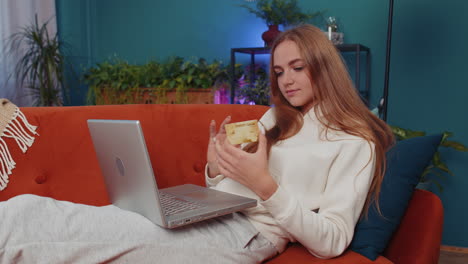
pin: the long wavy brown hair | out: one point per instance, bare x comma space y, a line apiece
337, 103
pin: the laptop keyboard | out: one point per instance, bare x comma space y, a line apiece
172, 204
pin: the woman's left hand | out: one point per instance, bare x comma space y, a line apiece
249, 169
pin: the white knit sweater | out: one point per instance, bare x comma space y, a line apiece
323, 184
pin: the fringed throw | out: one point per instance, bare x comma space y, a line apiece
13, 124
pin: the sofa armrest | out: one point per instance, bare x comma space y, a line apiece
297, 254
419, 235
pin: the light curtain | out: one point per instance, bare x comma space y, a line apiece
15, 15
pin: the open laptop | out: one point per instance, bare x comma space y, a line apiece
131, 184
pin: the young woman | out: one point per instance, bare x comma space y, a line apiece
319, 163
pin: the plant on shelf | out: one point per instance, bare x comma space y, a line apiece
118, 82
222, 87
332, 24
280, 12
40, 67
257, 92
437, 167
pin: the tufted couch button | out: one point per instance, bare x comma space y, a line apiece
41, 179
198, 167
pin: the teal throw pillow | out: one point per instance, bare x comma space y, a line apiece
405, 163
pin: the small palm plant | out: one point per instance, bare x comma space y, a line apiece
437, 167
40, 66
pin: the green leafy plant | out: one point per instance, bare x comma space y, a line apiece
116, 78
40, 67
188, 74
121, 79
280, 12
257, 92
437, 167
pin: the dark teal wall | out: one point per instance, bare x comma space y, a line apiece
142, 30
74, 25
429, 90
427, 85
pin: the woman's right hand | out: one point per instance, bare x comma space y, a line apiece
213, 169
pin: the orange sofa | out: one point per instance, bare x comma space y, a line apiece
62, 164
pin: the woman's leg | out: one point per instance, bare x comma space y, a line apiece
42, 230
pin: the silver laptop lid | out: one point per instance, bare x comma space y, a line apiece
125, 164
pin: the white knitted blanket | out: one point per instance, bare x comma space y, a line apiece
42, 230
13, 124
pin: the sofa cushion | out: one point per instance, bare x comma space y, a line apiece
405, 163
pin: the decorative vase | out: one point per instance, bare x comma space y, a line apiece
336, 37
270, 35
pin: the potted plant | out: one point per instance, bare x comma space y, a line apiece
112, 82
191, 80
40, 67
254, 90
437, 167
278, 12
172, 81
224, 80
